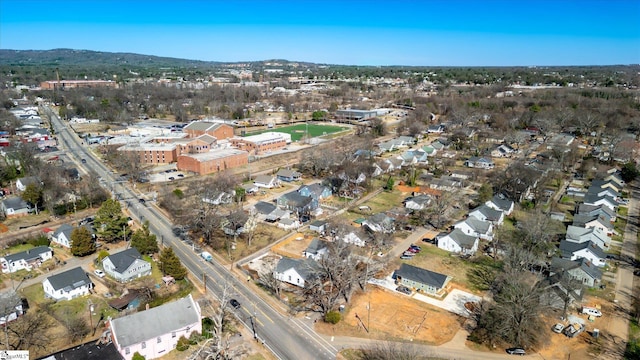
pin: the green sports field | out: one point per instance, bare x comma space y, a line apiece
297, 131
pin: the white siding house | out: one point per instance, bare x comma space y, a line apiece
126, 265
26, 259
67, 285
459, 242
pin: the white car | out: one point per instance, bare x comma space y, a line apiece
557, 328
591, 312
99, 273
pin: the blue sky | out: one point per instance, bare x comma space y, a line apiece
393, 32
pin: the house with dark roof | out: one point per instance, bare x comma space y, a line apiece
458, 242
587, 250
597, 210
380, 222
126, 265
294, 271
288, 175
485, 213
237, 223
62, 235
297, 203
14, 207
316, 249
27, 259
594, 221
155, 332
92, 350
595, 200
423, 280
318, 226
419, 202
476, 227
67, 285
22, 183
582, 270
502, 203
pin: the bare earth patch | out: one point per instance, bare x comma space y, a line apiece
293, 246
394, 316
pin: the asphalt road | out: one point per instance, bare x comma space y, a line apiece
285, 338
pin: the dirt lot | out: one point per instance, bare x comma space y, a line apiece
394, 316
293, 246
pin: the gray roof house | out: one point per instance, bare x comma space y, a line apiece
600, 221
380, 222
579, 234
479, 162
126, 265
297, 203
155, 332
318, 226
588, 250
26, 259
476, 227
605, 200
597, 210
581, 270
288, 175
316, 249
67, 285
295, 271
502, 203
430, 282
22, 183
417, 202
14, 206
316, 191
485, 213
458, 242
62, 235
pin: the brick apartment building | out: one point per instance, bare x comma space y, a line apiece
154, 153
262, 143
218, 130
212, 161
72, 84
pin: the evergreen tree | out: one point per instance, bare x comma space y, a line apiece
111, 224
485, 192
171, 265
82, 243
144, 240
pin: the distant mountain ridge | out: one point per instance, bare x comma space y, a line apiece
92, 58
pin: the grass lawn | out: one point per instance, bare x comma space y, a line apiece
619, 226
155, 270
623, 211
297, 131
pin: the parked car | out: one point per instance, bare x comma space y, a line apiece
99, 273
235, 303
403, 289
413, 246
142, 201
406, 257
591, 311
516, 351
412, 250
430, 241
573, 330
557, 328
84, 161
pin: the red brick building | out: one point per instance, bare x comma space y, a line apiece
218, 130
154, 153
71, 84
212, 161
262, 143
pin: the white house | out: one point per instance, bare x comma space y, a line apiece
417, 202
353, 238
155, 332
26, 259
14, 207
459, 242
595, 200
485, 213
289, 224
316, 249
500, 202
294, 271
67, 285
578, 234
266, 181
479, 162
126, 265
62, 235
22, 183
11, 308
476, 227
586, 250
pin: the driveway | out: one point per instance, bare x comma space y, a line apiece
453, 302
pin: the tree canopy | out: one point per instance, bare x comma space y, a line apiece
143, 240
171, 265
111, 223
82, 243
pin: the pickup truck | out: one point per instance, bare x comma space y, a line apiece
573, 330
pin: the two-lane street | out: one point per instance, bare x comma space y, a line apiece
285, 338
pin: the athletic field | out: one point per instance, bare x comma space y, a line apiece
297, 131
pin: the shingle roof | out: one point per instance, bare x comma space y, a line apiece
568, 248
28, 255
465, 241
69, 280
478, 225
315, 246
558, 264
149, 324
264, 207
15, 203
586, 208
489, 213
65, 229
501, 202
304, 267
422, 276
123, 260
583, 219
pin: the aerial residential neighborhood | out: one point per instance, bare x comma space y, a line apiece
154, 207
